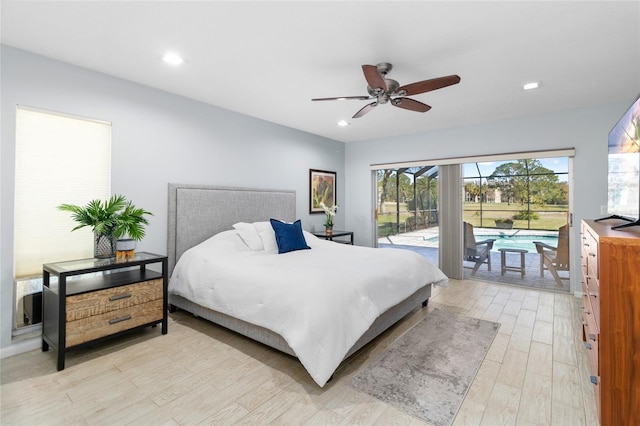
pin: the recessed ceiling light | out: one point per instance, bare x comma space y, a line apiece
172, 58
532, 85
343, 123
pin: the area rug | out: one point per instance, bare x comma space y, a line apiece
427, 372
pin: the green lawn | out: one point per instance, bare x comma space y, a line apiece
514, 207
549, 217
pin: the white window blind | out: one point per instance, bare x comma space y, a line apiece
59, 159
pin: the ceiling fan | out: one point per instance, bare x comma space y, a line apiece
385, 90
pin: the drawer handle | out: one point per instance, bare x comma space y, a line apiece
587, 345
117, 320
593, 380
119, 297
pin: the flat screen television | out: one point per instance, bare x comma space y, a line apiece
624, 168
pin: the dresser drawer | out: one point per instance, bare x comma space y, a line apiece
594, 298
588, 316
592, 351
112, 299
595, 381
590, 253
584, 255
591, 288
94, 327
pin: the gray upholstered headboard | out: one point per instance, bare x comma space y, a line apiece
196, 212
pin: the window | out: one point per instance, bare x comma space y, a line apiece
525, 194
59, 159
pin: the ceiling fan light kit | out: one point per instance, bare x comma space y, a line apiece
173, 59
385, 90
532, 85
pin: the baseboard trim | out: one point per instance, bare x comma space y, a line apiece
21, 347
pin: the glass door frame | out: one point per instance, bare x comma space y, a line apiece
574, 284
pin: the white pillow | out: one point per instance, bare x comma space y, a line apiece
249, 235
269, 241
267, 235
310, 238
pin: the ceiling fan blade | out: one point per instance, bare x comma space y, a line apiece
341, 98
365, 109
428, 85
410, 104
374, 78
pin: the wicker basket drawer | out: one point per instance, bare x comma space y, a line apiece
112, 299
94, 327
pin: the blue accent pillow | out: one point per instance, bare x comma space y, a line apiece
289, 236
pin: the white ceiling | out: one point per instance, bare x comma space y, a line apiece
267, 59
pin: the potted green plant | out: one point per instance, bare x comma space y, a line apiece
109, 220
504, 223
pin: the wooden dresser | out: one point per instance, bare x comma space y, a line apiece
610, 261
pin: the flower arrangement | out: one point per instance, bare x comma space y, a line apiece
330, 212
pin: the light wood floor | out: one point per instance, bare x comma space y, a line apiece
534, 374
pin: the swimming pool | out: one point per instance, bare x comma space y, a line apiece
515, 241
520, 241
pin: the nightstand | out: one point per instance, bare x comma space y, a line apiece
336, 234
96, 299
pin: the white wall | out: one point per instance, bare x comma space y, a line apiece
160, 138
157, 138
585, 130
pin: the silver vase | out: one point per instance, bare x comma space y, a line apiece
104, 246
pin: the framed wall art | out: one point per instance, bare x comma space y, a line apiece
322, 188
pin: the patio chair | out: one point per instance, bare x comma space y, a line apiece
476, 251
555, 259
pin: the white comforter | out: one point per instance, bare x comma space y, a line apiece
320, 300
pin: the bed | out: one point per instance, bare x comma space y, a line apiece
202, 245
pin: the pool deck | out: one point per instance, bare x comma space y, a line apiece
418, 241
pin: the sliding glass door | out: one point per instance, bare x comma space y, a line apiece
516, 219
503, 219
407, 209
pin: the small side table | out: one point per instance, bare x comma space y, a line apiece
503, 261
335, 234
95, 299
